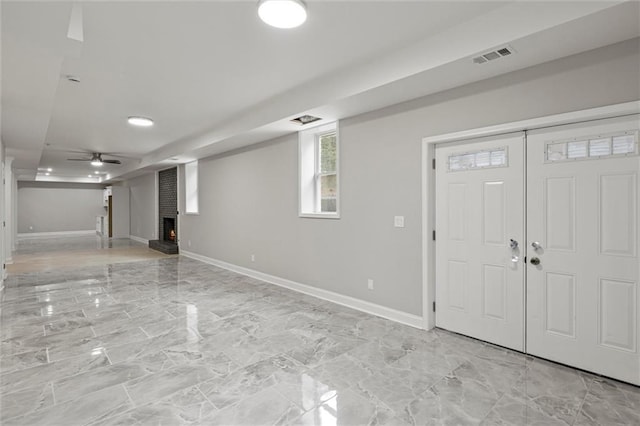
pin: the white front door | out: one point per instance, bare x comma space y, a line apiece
582, 213
581, 243
479, 212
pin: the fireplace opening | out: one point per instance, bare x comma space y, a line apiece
169, 229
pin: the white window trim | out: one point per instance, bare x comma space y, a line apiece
187, 181
308, 146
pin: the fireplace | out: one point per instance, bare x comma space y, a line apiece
169, 229
167, 241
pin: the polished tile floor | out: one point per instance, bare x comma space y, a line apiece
175, 341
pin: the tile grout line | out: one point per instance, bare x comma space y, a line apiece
205, 396
106, 354
579, 410
53, 394
126, 391
145, 333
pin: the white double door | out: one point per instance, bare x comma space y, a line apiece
566, 200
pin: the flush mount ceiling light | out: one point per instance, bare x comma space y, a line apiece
282, 13
140, 121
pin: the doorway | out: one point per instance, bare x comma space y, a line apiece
537, 246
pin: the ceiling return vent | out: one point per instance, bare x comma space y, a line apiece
494, 54
305, 119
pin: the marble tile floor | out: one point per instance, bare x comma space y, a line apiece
44, 254
174, 341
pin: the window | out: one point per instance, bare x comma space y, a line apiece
601, 146
319, 182
191, 187
496, 157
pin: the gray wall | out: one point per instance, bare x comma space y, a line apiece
248, 199
142, 203
2, 219
58, 207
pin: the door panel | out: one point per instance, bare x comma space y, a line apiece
479, 209
582, 207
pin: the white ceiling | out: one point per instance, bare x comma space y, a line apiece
215, 78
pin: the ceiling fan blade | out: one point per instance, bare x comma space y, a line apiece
78, 159
112, 161
119, 155
78, 150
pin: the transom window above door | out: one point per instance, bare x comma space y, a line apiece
593, 147
495, 157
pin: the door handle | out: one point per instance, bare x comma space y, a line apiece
535, 261
513, 244
536, 245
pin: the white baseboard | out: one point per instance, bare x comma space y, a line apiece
348, 301
55, 234
138, 239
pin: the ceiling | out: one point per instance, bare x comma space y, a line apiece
215, 78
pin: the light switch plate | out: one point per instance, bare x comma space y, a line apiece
398, 221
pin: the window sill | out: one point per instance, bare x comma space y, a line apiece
192, 213
320, 215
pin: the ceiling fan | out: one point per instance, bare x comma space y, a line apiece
96, 160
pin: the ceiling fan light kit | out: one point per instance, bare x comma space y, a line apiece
282, 13
96, 160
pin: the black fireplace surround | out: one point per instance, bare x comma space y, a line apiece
168, 212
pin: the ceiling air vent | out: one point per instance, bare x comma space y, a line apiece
305, 119
494, 54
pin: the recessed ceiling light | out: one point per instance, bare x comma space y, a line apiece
282, 13
49, 169
96, 172
140, 121
89, 176
47, 174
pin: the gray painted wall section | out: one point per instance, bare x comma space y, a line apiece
58, 207
143, 206
248, 199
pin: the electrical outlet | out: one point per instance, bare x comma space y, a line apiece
189, 243
370, 284
398, 221
253, 257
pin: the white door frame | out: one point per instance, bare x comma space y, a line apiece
428, 180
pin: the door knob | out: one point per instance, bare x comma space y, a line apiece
536, 245
535, 261
513, 244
